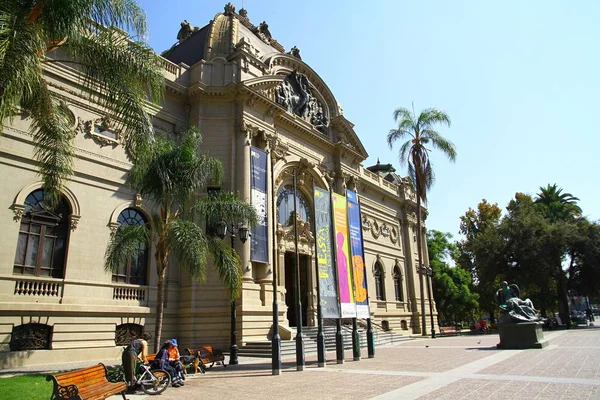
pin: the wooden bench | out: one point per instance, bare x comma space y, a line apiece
449, 330
206, 355
87, 383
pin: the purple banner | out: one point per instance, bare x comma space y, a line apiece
358, 263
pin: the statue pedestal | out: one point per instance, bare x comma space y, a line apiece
521, 335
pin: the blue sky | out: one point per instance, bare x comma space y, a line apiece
519, 79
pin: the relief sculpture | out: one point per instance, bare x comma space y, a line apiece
294, 94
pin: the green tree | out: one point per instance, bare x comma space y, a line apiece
118, 74
584, 270
418, 133
171, 178
531, 242
451, 285
562, 211
481, 252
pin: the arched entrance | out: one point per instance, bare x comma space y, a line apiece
305, 286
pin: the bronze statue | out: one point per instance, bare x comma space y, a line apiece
515, 309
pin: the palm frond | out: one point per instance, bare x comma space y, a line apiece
188, 244
69, 18
128, 241
175, 172
432, 116
53, 136
440, 143
227, 264
225, 206
122, 76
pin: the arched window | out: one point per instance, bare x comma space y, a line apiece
285, 205
135, 271
43, 236
378, 273
398, 284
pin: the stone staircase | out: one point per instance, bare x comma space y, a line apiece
288, 347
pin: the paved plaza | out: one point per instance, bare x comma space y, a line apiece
463, 367
460, 367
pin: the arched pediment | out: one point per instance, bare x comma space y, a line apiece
285, 64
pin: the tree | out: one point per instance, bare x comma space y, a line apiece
452, 286
418, 133
481, 253
118, 74
584, 271
171, 178
562, 211
557, 205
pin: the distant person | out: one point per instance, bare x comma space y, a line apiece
590, 314
175, 359
161, 361
136, 350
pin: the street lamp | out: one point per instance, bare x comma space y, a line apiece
221, 231
429, 272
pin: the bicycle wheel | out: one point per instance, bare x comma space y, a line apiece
157, 383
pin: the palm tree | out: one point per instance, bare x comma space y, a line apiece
560, 209
171, 178
418, 133
117, 73
557, 205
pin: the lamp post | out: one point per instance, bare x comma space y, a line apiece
429, 272
233, 229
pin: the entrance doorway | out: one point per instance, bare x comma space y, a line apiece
290, 287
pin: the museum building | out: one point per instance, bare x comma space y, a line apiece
243, 90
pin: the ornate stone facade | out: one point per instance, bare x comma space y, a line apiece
247, 91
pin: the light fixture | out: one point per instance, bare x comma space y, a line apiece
243, 231
221, 229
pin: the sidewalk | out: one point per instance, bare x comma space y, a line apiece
461, 367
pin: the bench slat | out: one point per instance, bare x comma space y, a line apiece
91, 383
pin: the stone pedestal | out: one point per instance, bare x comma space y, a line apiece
522, 335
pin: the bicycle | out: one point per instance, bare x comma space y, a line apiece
152, 381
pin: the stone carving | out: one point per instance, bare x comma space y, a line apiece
328, 174
514, 309
366, 224
294, 51
375, 229
385, 230
102, 130
186, 31
138, 200
279, 149
394, 235
18, 211
262, 31
243, 13
294, 94
73, 221
229, 9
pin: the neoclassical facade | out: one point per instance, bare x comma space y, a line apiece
234, 81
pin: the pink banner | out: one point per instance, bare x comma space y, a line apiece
344, 271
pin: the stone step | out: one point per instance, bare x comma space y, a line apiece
288, 347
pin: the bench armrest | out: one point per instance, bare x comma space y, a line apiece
65, 392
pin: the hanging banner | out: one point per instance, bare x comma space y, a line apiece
358, 263
258, 191
344, 272
327, 288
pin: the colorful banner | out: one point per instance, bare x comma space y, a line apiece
344, 272
358, 263
258, 190
327, 288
